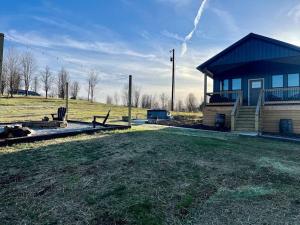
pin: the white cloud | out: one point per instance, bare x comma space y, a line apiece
196, 22
176, 3
35, 39
172, 35
227, 19
295, 13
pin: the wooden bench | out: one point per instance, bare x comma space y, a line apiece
105, 118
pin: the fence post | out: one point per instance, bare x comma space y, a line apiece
67, 100
129, 100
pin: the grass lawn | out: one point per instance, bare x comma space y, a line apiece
149, 176
35, 108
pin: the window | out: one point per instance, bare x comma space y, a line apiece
237, 84
293, 80
277, 81
256, 84
224, 85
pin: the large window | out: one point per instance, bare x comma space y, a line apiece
236, 84
224, 85
277, 81
293, 80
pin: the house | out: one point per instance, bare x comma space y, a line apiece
255, 84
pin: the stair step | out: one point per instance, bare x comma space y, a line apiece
245, 124
246, 115
247, 111
245, 129
245, 118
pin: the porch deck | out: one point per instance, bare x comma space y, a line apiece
272, 105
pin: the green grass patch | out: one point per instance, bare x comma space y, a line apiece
150, 175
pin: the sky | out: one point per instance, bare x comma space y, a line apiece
122, 37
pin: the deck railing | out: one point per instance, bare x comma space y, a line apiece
223, 97
258, 111
282, 95
234, 113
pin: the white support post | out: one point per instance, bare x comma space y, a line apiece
205, 89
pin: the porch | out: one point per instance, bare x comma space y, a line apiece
271, 106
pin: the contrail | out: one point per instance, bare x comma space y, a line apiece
196, 22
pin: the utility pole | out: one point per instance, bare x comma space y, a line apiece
173, 78
1, 55
129, 100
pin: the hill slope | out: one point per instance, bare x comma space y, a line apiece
35, 108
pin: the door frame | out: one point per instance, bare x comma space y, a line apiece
249, 81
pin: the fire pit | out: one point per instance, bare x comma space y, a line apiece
45, 124
14, 132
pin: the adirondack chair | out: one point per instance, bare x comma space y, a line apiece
105, 118
60, 115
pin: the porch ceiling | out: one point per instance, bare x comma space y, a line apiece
276, 65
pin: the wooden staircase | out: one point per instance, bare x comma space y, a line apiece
245, 119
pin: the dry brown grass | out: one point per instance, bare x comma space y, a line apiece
150, 176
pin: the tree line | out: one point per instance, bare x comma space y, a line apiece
147, 101
20, 70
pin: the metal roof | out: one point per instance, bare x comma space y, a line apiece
251, 48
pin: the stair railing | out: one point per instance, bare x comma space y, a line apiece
235, 109
258, 111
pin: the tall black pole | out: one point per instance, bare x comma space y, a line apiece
129, 100
1, 55
173, 79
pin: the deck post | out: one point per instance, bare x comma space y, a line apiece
205, 89
129, 100
1, 55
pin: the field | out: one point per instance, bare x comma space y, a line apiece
151, 175
35, 108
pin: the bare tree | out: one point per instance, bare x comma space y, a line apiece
191, 103
63, 78
179, 106
147, 101
28, 68
109, 100
12, 63
164, 100
116, 98
125, 95
93, 80
75, 89
47, 80
136, 96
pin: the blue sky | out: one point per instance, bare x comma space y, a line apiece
120, 37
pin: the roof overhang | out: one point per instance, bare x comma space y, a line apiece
285, 55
